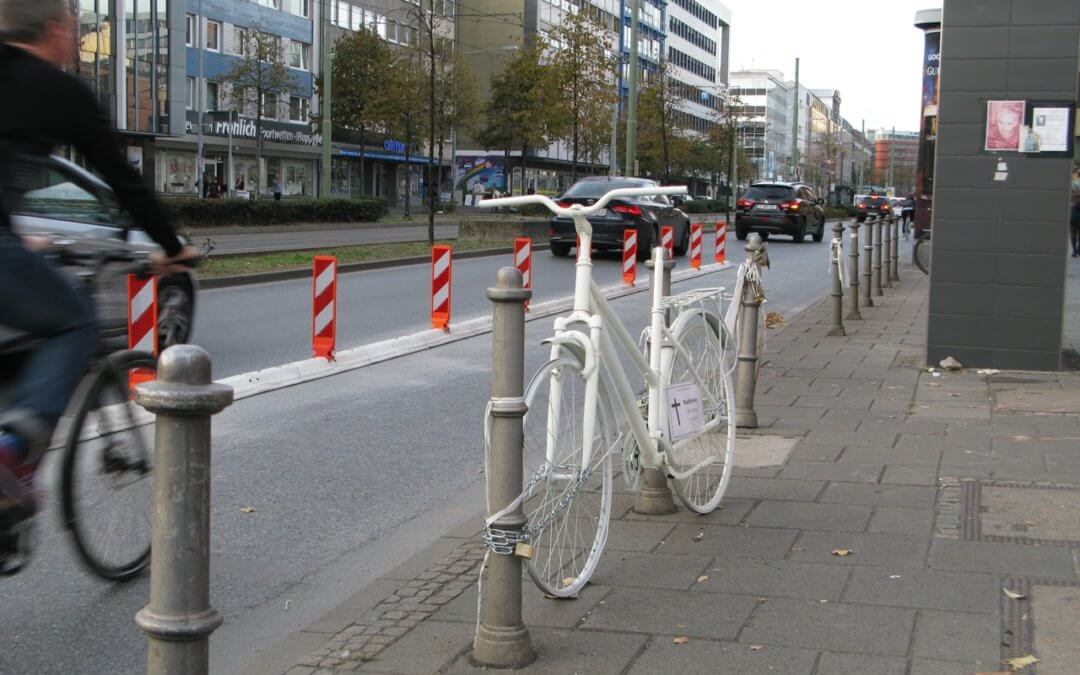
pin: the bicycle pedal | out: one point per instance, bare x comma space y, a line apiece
523, 550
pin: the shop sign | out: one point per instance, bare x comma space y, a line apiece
217, 124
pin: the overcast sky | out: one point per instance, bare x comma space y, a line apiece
868, 49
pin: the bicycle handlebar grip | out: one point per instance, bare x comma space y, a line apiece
584, 210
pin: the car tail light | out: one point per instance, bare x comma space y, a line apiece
862, 206
628, 209
744, 203
563, 205
790, 206
885, 207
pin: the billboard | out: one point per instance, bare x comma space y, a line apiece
480, 174
924, 175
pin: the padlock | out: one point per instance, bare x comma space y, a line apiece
523, 550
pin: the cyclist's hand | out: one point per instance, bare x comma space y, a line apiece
162, 266
34, 243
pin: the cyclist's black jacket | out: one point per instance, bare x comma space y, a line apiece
47, 107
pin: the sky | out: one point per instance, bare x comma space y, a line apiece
868, 49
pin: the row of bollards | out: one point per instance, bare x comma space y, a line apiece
879, 270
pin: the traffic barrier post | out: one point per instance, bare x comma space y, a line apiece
523, 262
629, 257
142, 323
178, 618
875, 270
886, 253
695, 245
667, 240
441, 282
324, 306
895, 258
720, 255
853, 284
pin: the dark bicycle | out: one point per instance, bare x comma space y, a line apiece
106, 461
921, 253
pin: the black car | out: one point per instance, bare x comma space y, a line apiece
872, 204
780, 208
645, 214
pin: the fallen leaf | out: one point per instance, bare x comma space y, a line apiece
699, 536
1020, 662
775, 320
841, 552
796, 548
703, 577
1013, 595
756, 648
247, 509
681, 640
933, 384
761, 601
1021, 437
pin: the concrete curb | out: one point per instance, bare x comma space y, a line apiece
303, 273
270, 379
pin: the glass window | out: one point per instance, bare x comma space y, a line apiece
276, 4
343, 14
369, 20
190, 93
189, 29
597, 188
55, 194
270, 106
299, 55
356, 20
298, 109
213, 93
380, 25
213, 36
768, 192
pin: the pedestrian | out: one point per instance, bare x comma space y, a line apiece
907, 213
1074, 216
277, 190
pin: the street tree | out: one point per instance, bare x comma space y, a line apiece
581, 67
406, 109
457, 106
361, 67
256, 81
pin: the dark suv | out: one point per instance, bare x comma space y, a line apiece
874, 204
645, 214
780, 208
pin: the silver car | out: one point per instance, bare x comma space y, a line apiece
64, 199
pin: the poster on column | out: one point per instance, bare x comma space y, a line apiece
1004, 125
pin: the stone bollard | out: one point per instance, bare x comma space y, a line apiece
868, 258
886, 252
502, 641
747, 358
875, 274
895, 258
654, 496
836, 259
853, 284
179, 619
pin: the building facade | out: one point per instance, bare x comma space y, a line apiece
764, 124
695, 45
896, 156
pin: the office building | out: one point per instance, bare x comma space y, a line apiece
896, 155
764, 124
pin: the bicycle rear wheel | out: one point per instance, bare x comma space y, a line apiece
107, 470
569, 506
705, 458
921, 254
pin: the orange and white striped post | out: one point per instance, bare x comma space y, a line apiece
441, 276
523, 262
142, 323
324, 306
629, 257
695, 245
667, 240
721, 242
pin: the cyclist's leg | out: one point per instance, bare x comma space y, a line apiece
37, 299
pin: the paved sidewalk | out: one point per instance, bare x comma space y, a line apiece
876, 520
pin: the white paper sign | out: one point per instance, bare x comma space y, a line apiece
684, 412
1051, 129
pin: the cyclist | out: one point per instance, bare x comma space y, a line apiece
51, 108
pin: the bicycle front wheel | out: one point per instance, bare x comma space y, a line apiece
921, 254
569, 497
701, 463
107, 470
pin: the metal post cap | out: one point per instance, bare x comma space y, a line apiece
508, 286
838, 227
753, 242
669, 263
183, 385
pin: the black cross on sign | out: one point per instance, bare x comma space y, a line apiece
675, 406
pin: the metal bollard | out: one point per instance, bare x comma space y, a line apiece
875, 275
179, 619
895, 258
747, 358
836, 259
886, 252
868, 257
654, 496
853, 285
502, 640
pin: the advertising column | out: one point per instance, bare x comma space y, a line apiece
929, 20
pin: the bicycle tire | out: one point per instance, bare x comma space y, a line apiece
105, 393
921, 254
702, 337
567, 547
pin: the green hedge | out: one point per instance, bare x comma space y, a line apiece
224, 212
704, 206
841, 211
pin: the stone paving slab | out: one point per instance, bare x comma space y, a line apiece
673, 613
705, 656
832, 626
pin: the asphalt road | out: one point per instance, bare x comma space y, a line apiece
348, 475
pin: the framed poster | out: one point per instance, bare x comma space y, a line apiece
1050, 131
1004, 126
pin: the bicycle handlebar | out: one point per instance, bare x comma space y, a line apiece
580, 208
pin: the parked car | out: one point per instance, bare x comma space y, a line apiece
872, 204
780, 208
645, 214
64, 199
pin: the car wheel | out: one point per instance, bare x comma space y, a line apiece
176, 304
819, 234
740, 234
560, 250
800, 232
684, 244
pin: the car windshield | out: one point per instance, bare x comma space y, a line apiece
597, 188
756, 192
